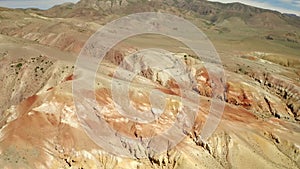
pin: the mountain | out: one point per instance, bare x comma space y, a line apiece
214, 11
213, 18
234, 22
39, 121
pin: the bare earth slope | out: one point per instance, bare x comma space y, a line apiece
260, 127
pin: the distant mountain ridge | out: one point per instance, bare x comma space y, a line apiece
212, 11
68, 26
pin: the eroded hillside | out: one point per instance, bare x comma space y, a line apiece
39, 127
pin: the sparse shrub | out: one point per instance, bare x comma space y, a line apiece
19, 65
269, 37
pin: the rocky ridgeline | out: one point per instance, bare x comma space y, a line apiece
285, 89
282, 102
238, 93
